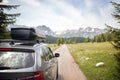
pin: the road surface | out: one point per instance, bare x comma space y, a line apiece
68, 69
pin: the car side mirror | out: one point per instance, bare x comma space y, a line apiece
50, 57
57, 54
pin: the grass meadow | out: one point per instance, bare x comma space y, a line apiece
86, 55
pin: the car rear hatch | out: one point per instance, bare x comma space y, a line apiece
17, 64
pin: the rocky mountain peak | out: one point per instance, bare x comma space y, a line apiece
44, 29
81, 32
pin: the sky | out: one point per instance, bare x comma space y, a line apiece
65, 14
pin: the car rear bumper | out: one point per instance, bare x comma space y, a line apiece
15, 75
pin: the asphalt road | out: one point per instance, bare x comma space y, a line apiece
68, 69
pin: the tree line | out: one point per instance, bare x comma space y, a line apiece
61, 40
103, 37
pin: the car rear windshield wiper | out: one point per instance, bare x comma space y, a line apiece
5, 67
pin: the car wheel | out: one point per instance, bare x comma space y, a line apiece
57, 73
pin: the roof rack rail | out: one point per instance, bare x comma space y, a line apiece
12, 42
5, 40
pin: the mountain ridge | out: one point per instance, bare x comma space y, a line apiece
81, 32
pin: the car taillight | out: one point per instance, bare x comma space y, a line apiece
5, 49
38, 75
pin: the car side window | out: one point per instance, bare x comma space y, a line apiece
47, 53
43, 55
50, 51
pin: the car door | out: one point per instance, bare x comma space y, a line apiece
54, 63
48, 65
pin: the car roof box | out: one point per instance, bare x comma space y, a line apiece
25, 34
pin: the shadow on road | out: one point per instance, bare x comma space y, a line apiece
60, 77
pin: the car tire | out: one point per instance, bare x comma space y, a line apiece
57, 73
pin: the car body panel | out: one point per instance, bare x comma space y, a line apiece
14, 75
42, 62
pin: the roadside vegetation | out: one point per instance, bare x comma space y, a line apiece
53, 47
87, 55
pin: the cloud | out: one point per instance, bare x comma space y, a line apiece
106, 15
31, 2
61, 15
89, 3
48, 15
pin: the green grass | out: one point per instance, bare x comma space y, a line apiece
53, 46
87, 55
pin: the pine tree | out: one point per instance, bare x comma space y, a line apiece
98, 38
102, 38
93, 39
62, 40
6, 19
58, 41
115, 31
76, 40
87, 39
116, 38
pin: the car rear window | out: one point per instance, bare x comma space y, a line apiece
16, 60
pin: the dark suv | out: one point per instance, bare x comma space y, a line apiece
27, 60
